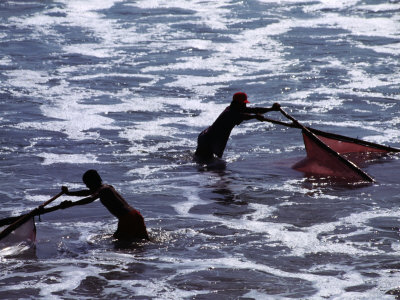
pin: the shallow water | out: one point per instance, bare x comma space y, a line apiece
126, 86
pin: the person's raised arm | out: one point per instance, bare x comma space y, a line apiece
87, 200
81, 193
256, 112
263, 110
247, 117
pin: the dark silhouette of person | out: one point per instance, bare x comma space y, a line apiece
212, 141
131, 224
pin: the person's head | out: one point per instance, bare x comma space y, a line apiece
239, 100
92, 179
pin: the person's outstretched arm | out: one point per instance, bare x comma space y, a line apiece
263, 110
247, 117
81, 193
87, 200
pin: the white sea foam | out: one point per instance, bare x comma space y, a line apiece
383, 7
327, 286
89, 50
53, 158
77, 11
27, 79
300, 242
252, 56
212, 15
13, 250
6, 60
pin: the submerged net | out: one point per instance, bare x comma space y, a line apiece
25, 233
323, 158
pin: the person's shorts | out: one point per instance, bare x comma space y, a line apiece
131, 226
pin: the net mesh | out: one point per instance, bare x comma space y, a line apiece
321, 161
344, 147
24, 233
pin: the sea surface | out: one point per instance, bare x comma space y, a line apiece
125, 87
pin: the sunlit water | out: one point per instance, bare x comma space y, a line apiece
126, 86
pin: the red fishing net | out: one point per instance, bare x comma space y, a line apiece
323, 158
344, 147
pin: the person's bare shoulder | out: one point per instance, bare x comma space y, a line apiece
106, 188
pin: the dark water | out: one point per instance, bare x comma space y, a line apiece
126, 86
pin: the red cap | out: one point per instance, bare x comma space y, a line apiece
240, 97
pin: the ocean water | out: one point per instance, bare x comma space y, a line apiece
125, 87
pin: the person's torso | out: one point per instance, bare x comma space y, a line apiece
113, 201
225, 122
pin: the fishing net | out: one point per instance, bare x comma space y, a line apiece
352, 145
22, 228
329, 154
24, 233
323, 158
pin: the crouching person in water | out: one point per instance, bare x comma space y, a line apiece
131, 224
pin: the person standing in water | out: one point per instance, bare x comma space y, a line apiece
131, 224
212, 141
